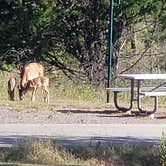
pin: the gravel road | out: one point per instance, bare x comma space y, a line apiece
71, 126
79, 116
84, 134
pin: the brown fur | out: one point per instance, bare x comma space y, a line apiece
34, 84
11, 87
30, 71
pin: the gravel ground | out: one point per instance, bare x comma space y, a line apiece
73, 115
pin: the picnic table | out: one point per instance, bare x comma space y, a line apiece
138, 92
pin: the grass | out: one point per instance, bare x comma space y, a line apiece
66, 93
63, 91
47, 152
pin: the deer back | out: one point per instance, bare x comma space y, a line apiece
30, 71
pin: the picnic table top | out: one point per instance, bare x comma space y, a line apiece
143, 76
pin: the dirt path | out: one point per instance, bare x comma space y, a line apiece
72, 115
83, 134
71, 126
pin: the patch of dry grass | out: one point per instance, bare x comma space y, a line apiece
47, 152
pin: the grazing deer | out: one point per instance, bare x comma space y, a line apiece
30, 71
11, 87
34, 84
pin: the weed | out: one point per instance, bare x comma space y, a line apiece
162, 150
48, 152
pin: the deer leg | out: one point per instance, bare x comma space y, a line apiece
12, 95
46, 97
33, 94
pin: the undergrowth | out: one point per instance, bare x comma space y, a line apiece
162, 150
48, 152
63, 91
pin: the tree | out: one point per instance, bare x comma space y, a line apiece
73, 34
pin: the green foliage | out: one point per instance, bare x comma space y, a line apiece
162, 150
49, 30
77, 91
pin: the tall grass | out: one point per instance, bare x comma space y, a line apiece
47, 152
77, 90
63, 91
61, 87
162, 150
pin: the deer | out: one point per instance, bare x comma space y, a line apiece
11, 87
34, 84
29, 71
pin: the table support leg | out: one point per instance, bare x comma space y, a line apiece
124, 109
155, 107
139, 97
155, 99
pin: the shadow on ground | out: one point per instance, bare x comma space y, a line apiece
77, 111
12, 140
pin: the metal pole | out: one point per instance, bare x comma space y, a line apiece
111, 13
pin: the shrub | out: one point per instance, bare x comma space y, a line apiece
162, 150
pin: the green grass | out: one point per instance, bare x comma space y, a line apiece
162, 150
78, 90
63, 91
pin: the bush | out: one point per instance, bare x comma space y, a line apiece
162, 150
